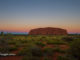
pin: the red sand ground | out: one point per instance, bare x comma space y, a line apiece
11, 58
55, 56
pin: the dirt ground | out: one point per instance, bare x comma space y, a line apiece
11, 58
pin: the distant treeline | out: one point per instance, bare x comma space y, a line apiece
5, 34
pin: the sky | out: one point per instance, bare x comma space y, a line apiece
24, 15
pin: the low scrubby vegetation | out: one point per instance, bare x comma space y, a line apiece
42, 47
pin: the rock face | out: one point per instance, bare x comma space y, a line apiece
48, 31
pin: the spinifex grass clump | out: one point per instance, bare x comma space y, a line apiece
14, 48
68, 39
39, 43
48, 51
55, 42
59, 50
31, 50
75, 49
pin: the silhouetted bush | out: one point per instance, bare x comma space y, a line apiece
2, 34
74, 50
47, 58
68, 39
63, 58
48, 51
12, 48
40, 44
56, 42
31, 50
31, 58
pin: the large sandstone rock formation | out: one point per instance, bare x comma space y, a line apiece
48, 31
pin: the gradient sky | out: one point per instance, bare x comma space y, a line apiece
23, 15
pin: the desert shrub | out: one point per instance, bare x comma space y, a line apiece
23, 52
50, 41
40, 44
36, 51
8, 49
74, 50
4, 50
57, 49
31, 50
26, 58
59, 42
2, 33
66, 57
62, 58
68, 39
1, 49
12, 48
56, 42
4, 45
31, 58
48, 51
11, 42
18, 44
47, 58
45, 38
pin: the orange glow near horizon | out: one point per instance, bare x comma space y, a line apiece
27, 29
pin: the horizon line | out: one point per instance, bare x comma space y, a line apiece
28, 32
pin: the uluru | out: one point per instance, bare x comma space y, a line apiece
48, 31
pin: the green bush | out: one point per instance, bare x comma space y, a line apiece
48, 51
31, 58
11, 42
40, 44
31, 50
57, 49
47, 58
4, 50
68, 39
12, 48
2, 34
62, 58
74, 50
55, 42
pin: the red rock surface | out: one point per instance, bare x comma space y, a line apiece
48, 31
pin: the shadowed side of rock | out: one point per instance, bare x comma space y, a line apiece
48, 31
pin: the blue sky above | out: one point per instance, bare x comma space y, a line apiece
23, 15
